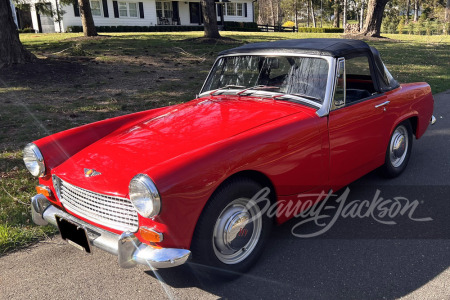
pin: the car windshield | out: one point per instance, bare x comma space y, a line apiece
304, 77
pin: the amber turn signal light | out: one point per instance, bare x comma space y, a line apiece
44, 190
150, 235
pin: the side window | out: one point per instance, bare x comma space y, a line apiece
359, 81
340, 89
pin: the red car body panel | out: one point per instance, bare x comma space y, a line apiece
190, 149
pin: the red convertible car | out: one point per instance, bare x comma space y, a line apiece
292, 117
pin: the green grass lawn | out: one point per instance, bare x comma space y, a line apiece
79, 81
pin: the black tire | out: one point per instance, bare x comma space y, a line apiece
396, 161
206, 247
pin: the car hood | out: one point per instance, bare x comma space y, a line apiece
187, 127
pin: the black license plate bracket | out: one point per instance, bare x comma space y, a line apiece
74, 234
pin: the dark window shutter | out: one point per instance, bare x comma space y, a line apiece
141, 10
116, 9
245, 10
105, 8
176, 12
76, 9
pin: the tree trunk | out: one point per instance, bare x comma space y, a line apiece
307, 13
447, 11
313, 16
296, 12
344, 17
416, 10
210, 19
336, 14
272, 11
11, 49
408, 7
86, 18
361, 17
372, 25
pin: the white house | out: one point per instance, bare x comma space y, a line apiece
139, 13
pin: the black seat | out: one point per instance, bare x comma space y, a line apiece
356, 94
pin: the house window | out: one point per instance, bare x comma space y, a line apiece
132, 8
95, 8
239, 9
128, 9
233, 9
123, 11
164, 9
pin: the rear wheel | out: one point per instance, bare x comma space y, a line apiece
232, 230
398, 151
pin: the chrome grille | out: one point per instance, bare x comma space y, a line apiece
113, 212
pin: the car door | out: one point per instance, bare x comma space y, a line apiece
356, 124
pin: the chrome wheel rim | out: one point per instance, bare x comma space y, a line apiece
237, 231
398, 147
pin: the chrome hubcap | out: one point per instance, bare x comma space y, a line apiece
398, 146
237, 231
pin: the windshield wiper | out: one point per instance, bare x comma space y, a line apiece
307, 97
258, 87
301, 100
227, 87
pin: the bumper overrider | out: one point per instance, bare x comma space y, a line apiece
127, 247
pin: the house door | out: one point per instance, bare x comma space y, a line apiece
195, 13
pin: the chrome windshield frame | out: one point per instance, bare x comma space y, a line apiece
325, 106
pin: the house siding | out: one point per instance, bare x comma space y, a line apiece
149, 9
149, 19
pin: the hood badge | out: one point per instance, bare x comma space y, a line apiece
91, 172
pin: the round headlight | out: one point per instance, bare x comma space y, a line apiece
33, 159
144, 196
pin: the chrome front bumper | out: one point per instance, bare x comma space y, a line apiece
127, 247
433, 120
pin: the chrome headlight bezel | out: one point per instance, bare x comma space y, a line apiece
144, 196
34, 160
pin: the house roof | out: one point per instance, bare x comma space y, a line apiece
328, 47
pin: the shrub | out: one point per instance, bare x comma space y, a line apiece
410, 27
138, 28
240, 26
321, 30
392, 26
428, 27
418, 28
27, 30
288, 24
401, 25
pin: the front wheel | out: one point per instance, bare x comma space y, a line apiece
232, 229
398, 151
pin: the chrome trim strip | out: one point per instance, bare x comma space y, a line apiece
127, 247
433, 120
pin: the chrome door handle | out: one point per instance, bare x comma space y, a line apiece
382, 104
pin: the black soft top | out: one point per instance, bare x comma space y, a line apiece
323, 47
328, 47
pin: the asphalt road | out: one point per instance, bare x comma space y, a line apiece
357, 258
